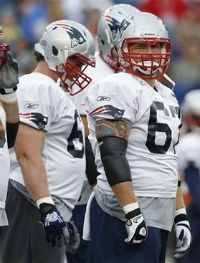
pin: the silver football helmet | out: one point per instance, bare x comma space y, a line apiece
144, 29
107, 32
68, 48
191, 103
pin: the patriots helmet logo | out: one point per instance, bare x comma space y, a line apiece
113, 24
75, 35
108, 110
123, 26
39, 119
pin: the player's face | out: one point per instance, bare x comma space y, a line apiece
146, 49
77, 65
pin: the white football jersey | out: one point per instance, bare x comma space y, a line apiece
4, 170
155, 121
100, 71
45, 106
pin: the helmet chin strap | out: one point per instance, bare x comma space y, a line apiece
169, 80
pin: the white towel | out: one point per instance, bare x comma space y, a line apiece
86, 224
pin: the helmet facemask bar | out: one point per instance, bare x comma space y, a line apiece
4, 48
73, 73
146, 65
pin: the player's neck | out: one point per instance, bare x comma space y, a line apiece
151, 82
43, 68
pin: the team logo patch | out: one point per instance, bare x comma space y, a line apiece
109, 110
37, 118
76, 36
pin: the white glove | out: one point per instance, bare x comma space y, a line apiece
135, 225
182, 231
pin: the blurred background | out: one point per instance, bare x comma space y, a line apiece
23, 23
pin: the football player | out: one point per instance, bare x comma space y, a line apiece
47, 174
9, 120
189, 165
106, 64
136, 122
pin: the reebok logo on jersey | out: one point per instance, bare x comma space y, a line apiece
31, 106
37, 118
108, 110
103, 98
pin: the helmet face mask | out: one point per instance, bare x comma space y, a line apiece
108, 30
144, 46
66, 46
72, 72
141, 62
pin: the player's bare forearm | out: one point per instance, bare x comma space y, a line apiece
117, 128
35, 178
29, 145
12, 111
179, 195
124, 193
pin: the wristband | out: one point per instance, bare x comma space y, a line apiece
47, 200
180, 211
130, 207
9, 98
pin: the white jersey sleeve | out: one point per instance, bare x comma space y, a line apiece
38, 106
110, 99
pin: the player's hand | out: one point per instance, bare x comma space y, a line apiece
8, 75
183, 233
135, 226
55, 228
74, 238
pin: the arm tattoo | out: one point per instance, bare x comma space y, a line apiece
117, 128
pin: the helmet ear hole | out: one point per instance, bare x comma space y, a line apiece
54, 51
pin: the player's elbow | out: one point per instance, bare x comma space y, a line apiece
22, 158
